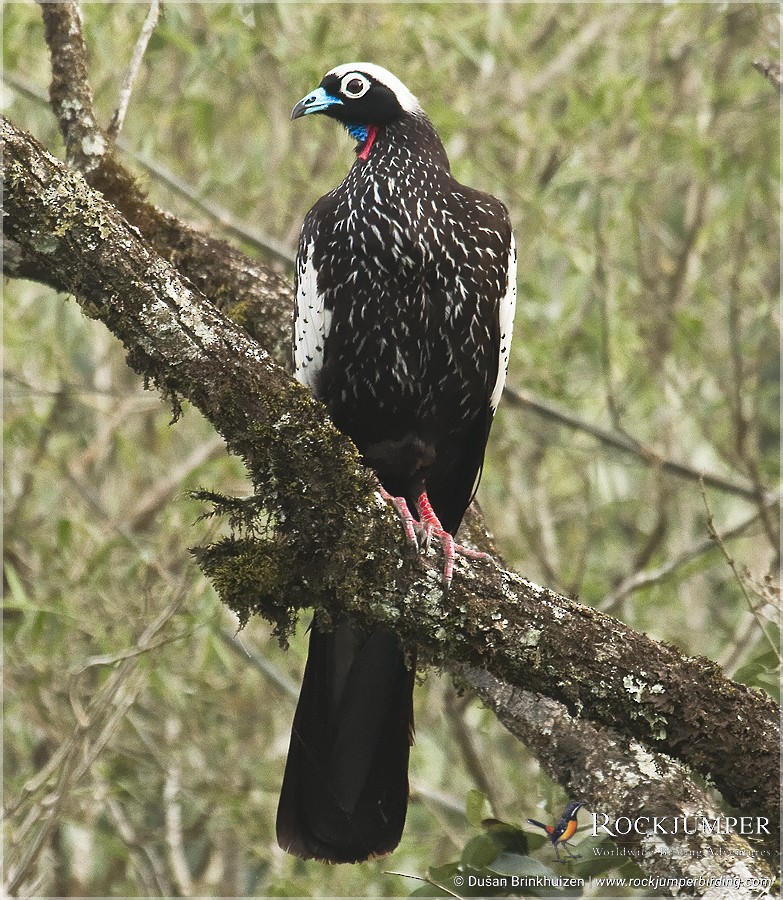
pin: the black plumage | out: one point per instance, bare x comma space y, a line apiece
404, 308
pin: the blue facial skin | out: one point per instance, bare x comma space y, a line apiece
316, 102
358, 132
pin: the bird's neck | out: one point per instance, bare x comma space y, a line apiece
413, 132
365, 136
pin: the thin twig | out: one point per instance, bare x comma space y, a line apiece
117, 120
78, 750
83, 393
77, 754
521, 398
110, 659
746, 634
257, 239
48, 807
15, 511
676, 280
639, 580
446, 803
104, 714
25, 87
149, 864
425, 879
447, 816
532, 515
259, 663
715, 535
473, 762
172, 816
167, 487
563, 64
745, 427
607, 350
770, 70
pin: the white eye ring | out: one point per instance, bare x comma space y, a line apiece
354, 76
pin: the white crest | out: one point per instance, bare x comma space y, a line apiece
405, 98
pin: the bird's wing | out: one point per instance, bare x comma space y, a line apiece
482, 255
312, 321
506, 311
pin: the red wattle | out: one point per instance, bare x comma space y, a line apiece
372, 132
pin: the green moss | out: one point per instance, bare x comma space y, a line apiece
239, 312
313, 540
252, 578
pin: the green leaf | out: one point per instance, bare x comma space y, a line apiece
430, 890
508, 837
16, 588
474, 807
479, 852
64, 532
516, 864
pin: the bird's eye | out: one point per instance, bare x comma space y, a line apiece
354, 85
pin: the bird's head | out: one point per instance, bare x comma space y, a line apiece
573, 808
359, 94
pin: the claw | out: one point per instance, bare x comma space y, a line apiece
431, 525
428, 526
409, 524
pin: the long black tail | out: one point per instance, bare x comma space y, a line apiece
345, 788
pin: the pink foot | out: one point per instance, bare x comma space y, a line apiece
408, 522
427, 526
430, 524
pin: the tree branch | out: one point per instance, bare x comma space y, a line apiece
618, 440
222, 273
249, 236
600, 762
643, 578
771, 70
70, 94
118, 119
284, 554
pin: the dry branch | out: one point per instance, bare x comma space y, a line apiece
771, 70
619, 440
151, 20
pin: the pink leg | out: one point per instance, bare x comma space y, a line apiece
408, 522
430, 524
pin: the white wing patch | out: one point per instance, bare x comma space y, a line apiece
312, 321
506, 317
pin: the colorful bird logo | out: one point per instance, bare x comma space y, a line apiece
563, 830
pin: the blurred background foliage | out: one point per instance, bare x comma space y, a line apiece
637, 150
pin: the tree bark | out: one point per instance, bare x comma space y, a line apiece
316, 532
633, 780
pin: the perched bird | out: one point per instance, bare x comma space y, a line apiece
563, 830
405, 292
